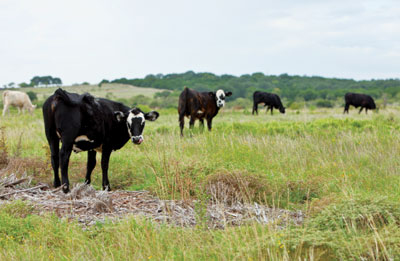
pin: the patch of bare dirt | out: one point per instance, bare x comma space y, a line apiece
88, 206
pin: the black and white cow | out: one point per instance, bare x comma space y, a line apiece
200, 105
269, 99
358, 100
85, 123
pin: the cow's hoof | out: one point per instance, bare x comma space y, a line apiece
107, 188
57, 184
65, 188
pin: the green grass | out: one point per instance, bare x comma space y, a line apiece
342, 170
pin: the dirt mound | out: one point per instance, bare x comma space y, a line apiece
88, 206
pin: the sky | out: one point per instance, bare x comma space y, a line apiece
91, 40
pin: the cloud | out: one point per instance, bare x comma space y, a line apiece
91, 40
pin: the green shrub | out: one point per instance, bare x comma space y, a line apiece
324, 103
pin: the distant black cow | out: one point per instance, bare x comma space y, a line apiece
358, 100
200, 105
269, 99
85, 123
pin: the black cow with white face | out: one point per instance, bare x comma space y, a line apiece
200, 106
85, 123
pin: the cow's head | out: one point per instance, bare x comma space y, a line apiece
31, 108
282, 109
219, 97
135, 120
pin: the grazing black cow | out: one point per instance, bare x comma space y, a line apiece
200, 105
269, 99
358, 100
85, 123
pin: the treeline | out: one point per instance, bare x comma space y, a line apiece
290, 88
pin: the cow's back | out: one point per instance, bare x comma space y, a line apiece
16, 98
359, 99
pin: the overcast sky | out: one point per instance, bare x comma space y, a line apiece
91, 40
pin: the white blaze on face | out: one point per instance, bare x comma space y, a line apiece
220, 98
129, 122
133, 116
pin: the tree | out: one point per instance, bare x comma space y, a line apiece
103, 81
57, 81
24, 85
45, 80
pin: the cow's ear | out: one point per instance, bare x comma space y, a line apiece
151, 116
120, 116
227, 94
211, 94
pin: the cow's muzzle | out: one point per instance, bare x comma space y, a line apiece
137, 139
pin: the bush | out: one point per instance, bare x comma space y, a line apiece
357, 213
32, 95
296, 105
139, 99
240, 103
321, 103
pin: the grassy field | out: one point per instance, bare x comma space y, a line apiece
343, 171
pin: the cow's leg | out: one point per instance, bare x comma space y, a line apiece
346, 108
209, 123
181, 123
105, 159
19, 110
272, 108
5, 109
54, 143
65, 153
201, 124
360, 110
366, 110
91, 163
255, 108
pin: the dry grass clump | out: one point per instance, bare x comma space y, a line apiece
3, 149
304, 190
232, 187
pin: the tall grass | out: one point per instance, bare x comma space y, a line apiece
342, 170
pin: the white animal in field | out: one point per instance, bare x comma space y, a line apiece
17, 99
